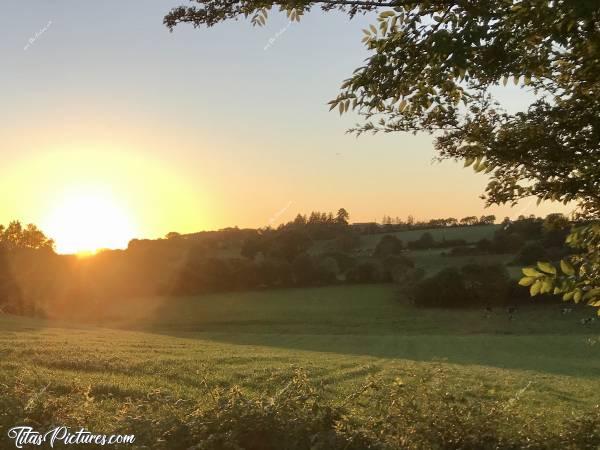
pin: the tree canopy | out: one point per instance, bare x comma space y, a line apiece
15, 237
432, 67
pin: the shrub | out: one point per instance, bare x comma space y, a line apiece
306, 271
347, 241
532, 253
446, 243
274, 273
425, 242
474, 285
446, 289
388, 245
506, 242
366, 272
298, 417
343, 260
488, 285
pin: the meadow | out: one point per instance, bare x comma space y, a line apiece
145, 363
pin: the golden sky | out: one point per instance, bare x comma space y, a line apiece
115, 128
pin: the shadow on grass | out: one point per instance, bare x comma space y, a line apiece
373, 321
561, 355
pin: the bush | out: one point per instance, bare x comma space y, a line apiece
388, 245
446, 289
347, 241
446, 243
308, 272
506, 242
343, 260
274, 273
366, 272
425, 242
532, 253
472, 286
488, 285
298, 417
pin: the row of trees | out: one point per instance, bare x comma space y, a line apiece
439, 223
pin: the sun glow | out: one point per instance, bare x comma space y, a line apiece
87, 220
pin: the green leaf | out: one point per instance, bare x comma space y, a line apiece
547, 285
527, 281
530, 272
568, 296
567, 268
591, 294
546, 267
535, 288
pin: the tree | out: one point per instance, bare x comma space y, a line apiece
488, 284
469, 220
342, 217
11, 297
446, 289
300, 220
431, 68
487, 220
252, 246
15, 237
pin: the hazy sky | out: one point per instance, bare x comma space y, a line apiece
199, 129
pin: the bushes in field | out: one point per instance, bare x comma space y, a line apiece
473, 285
297, 415
201, 274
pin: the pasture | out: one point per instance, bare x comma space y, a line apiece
169, 353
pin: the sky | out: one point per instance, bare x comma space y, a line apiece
110, 123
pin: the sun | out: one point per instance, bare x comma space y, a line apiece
86, 220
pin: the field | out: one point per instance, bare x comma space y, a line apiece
471, 234
167, 353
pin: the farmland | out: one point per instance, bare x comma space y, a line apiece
165, 350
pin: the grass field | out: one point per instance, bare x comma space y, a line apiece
173, 351
471, 234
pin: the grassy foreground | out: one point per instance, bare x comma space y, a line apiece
151, 361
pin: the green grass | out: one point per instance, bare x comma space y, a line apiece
470, 234
183, 347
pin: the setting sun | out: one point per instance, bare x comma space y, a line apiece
88, 220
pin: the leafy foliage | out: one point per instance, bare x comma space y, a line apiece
431, 69
577, 277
